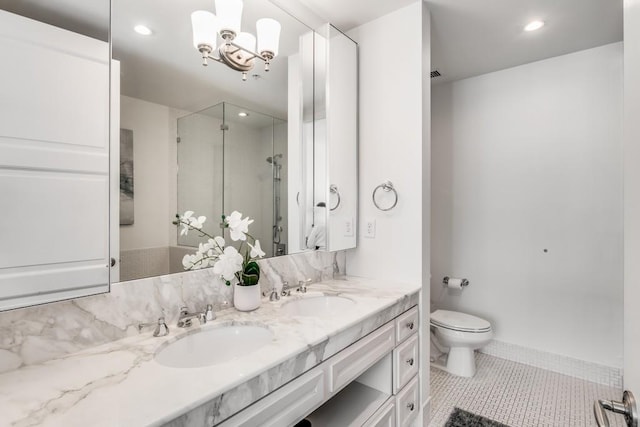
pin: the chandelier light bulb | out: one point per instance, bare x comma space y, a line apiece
246, 41
229, 13
204, 25
268, 36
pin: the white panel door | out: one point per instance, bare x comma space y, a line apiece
54, 163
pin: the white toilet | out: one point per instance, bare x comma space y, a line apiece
462, 334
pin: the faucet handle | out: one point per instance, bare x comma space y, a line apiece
302, 285
275, 296
286, 290
161, 327
209, 315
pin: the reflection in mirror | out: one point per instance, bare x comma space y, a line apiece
182, 158
335, 143
54, 151
253, 172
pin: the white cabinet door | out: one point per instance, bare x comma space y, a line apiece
54, 163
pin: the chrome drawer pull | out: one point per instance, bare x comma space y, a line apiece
410, 406
410, 361
410, 325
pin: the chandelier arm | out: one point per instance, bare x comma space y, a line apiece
254, 54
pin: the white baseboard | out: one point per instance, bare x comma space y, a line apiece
582, 369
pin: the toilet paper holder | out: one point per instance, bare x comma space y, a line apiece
445, 281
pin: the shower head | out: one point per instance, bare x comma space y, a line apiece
274, 158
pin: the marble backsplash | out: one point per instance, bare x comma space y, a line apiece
36, 334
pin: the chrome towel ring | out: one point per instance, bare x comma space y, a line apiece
333, 189
385, 186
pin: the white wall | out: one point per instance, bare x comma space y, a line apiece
528, 159
390, 146
631, 195
154, 157
394, 144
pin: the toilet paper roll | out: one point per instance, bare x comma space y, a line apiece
454, 283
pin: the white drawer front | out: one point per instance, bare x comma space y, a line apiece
405, 362
407, 404
285, 406
407, 324
384, 417
347, 365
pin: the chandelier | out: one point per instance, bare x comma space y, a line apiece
238, 49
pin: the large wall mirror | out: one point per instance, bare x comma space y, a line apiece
209, 139
183, 136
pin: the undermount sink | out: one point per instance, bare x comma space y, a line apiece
325, 305
213, 346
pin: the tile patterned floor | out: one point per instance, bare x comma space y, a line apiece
519, 395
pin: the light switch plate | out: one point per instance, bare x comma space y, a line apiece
348, 228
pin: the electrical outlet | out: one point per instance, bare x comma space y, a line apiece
370, 228
348, 228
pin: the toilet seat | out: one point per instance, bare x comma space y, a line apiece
460, 322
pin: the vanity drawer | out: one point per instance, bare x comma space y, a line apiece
384, 417
285, 406
347, 365
407, 402
405, 362
407, 324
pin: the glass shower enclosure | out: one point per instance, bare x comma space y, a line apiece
231, 158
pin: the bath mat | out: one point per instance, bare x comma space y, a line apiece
462, 418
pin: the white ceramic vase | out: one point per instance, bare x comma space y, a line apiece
246, 298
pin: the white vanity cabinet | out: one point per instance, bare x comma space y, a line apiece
372, 383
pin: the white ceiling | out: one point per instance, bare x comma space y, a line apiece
469, 37
473, 37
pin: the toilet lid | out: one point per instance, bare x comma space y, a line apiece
459, 321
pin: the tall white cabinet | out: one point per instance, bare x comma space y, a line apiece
54, 163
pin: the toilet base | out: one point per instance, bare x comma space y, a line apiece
461, 361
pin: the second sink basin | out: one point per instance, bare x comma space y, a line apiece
319, 306
213, 346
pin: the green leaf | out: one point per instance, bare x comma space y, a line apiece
252, 267
250, 279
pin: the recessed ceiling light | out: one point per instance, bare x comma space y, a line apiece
534, 25
243, 114
142, 29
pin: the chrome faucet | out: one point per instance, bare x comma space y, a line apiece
161, 327
184, 320
302, 285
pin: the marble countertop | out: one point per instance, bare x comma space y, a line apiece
120, 384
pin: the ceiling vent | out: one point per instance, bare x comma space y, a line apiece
435, 73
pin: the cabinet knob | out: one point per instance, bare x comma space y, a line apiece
410, 361
410, 325
410, 406
113, 262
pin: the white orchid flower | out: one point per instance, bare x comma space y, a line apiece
256, 250
197, 222
189, 261
189, 221
238, 226
218, 244
228, 263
